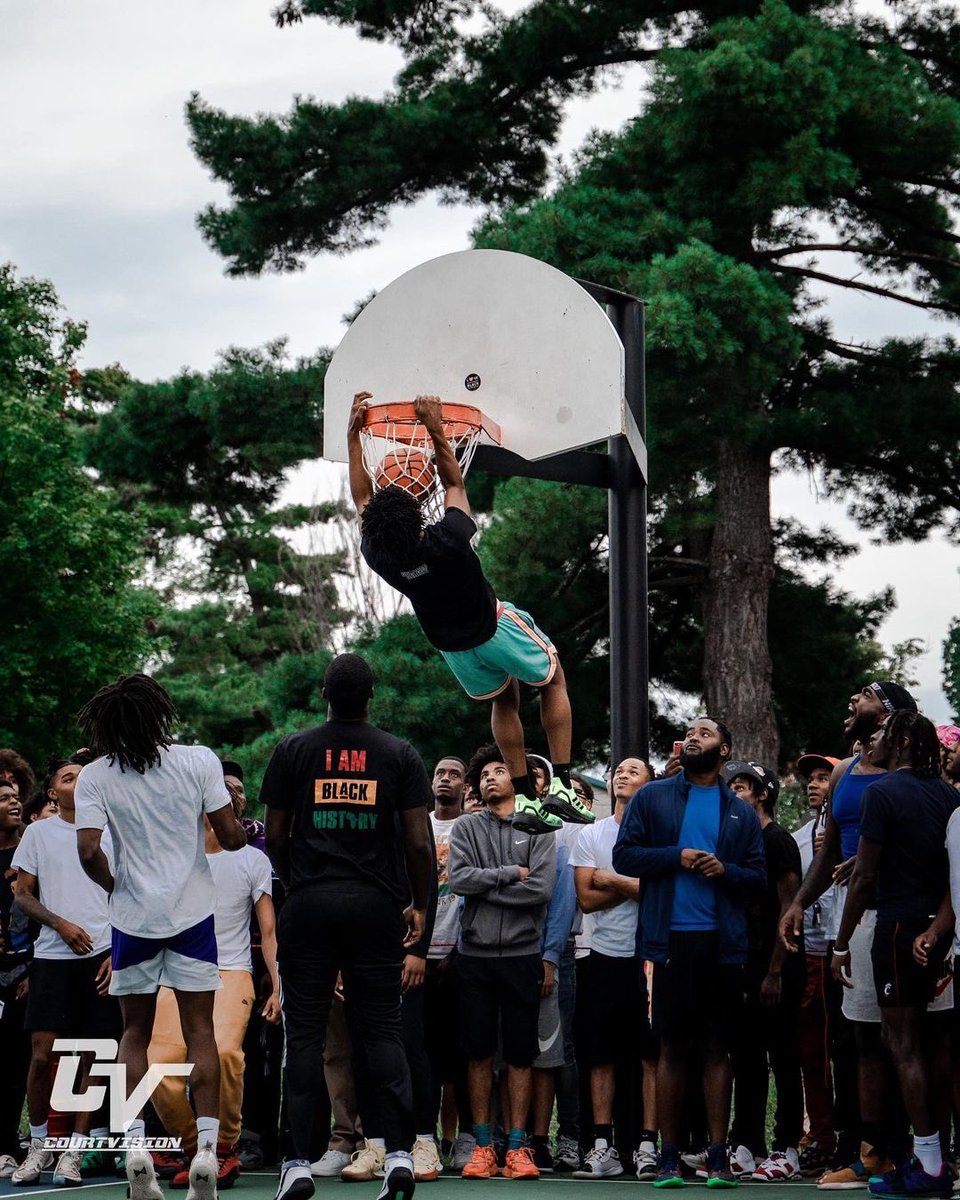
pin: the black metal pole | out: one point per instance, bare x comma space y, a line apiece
629, 647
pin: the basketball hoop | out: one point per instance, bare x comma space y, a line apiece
398, 451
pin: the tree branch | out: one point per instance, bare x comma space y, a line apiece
857, 248
872, 288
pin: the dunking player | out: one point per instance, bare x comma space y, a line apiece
152, 795
489, 645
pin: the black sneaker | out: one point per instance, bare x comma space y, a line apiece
398, 1182
542, 1156
567, 1157
669, 1174
296, 1182
719, 1174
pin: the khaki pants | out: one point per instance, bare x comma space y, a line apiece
232, 1006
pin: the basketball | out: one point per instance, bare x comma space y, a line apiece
409, 469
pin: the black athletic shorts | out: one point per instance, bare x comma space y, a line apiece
614, 999
500, 1002
63, 999
696, 998
899, 979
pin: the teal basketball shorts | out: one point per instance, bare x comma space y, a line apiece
517, 650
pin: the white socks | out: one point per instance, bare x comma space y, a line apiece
136, 1129
927, 1149
208, 1132
38, 1132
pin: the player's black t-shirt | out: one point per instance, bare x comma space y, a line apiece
445, 583
16, 945
346, 783
908, 816
782, 856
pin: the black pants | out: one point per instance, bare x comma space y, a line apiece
14, 1063
448, 1064
411, 1021
769, 1033
359, 932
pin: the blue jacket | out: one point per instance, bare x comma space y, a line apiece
648, 848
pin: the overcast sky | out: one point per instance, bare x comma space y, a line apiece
99, 191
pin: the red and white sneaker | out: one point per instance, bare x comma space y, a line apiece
781, 1166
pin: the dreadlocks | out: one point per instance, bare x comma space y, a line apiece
923, 746
129, 721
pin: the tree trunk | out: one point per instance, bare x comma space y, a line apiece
737, 671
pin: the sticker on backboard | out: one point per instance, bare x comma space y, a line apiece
472, 382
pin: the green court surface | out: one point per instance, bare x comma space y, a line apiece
260, 1185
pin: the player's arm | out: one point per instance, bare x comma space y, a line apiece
26, 899
230, 833
361, 489
92, 858
859, 895
277, 824
430, 412
267, 920
418, 854
771, 987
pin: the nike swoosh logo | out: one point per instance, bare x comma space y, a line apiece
545, 1045
519, 841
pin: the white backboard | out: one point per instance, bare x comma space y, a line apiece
548, 360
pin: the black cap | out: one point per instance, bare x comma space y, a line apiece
231, 768
753, 770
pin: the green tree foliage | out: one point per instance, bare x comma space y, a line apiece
70, 555
951, 667
204, 459
780, 146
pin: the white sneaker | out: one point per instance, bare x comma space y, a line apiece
742, 1163
398, 1180
600, 1163
645, 1161
67, 1171
330, 1164
366, 1164
141, 1176
8, 1164
37, 1160
296, 1182
463, 1150
779, 1167
426, 1160
203, 1174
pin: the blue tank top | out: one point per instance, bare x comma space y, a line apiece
847, 796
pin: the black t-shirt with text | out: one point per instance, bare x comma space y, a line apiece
445, 583
908, 816
346, 783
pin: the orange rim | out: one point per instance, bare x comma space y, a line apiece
400, 422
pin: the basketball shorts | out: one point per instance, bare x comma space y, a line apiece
518, 650
860, 1002
500, 1003
899, 980
696, 998
63, 999
614, 999
550, 1031
185, 961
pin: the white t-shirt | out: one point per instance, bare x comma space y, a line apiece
953, 852
48, 849
818, 919
613, 931
240, 877
162, 884
446, 928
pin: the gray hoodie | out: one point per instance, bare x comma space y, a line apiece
502, 917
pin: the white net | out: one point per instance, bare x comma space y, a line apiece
398, 451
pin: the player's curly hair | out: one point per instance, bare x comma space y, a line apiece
488, 754
922, 741
392, 523
129, 721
